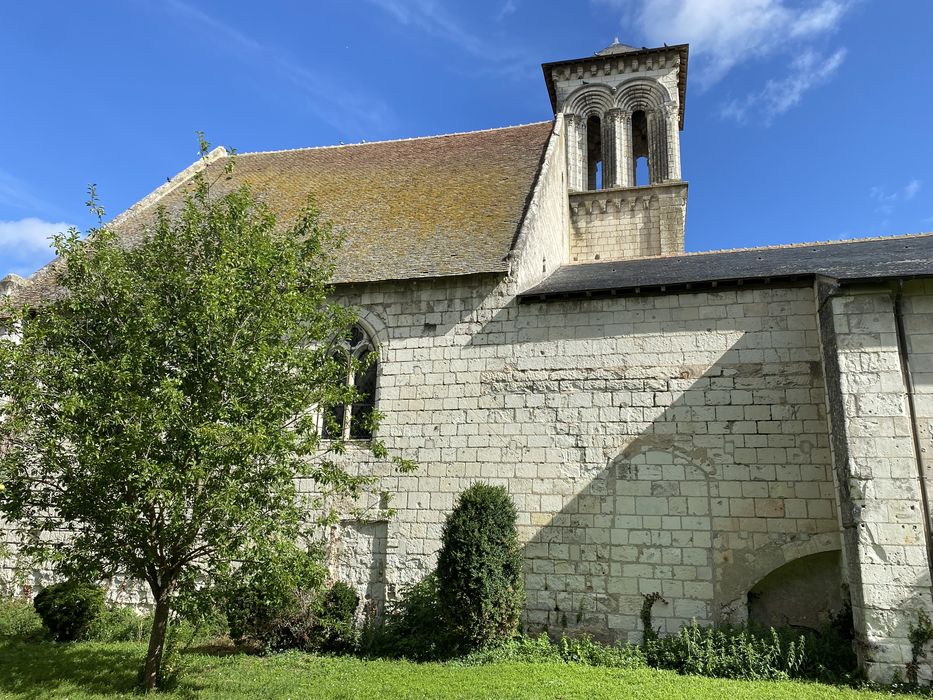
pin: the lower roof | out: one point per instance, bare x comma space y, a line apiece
894, 257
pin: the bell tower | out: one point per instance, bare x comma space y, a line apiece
623, 110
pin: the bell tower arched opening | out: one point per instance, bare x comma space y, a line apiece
594, 153
641, 167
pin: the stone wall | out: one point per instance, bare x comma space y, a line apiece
628, 223
542, 246
664, 443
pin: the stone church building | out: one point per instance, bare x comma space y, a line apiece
746, 432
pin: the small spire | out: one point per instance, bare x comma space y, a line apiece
616, 47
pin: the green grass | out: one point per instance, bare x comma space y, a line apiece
80, 671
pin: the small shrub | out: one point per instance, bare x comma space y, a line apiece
278, 601
412, 628
588, 651
336, 618
728, 652
520, 649
575, 650
479, 568
119, 623
270, 600
18, 618
67, 609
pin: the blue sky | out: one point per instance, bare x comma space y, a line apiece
804, 120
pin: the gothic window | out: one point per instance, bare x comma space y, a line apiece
594, 153
351, 421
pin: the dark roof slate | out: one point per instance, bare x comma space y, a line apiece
845, 261
424, 207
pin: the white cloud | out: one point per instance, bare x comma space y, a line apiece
725, 33
29, 235
809, 70
912, 188
722, 33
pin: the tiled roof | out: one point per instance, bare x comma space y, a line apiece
424, 207
864, 260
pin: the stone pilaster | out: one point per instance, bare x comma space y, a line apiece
576, 152
877, 476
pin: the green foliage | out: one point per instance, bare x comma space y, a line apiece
93, 671
413, 627
69, 608
156, 411
337, 617
919, 635
648, 632
278, 600
728, 652
578, 650
19, 619
269, 600
479, 569
117, 623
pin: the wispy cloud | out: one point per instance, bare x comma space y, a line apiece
509, 7
330, 100
808, 71
887, 200
725, 33
433, 18
16, 194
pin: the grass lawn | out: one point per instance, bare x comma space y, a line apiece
92, 670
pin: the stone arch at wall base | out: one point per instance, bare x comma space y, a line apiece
805, 592
740, 571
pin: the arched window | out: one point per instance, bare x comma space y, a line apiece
594, 153
352, 421
640, 148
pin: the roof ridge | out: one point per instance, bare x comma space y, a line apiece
401, 140
780, 246
171, 184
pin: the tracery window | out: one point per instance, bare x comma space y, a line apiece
352, 421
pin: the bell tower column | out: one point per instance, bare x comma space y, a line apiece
618, 149
672, 124
657, 146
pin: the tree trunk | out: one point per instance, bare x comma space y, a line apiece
153, 665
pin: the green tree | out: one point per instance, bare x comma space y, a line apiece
159, 412
479, 568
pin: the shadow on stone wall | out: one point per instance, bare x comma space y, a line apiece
693, 457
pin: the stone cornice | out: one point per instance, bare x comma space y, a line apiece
619, 198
